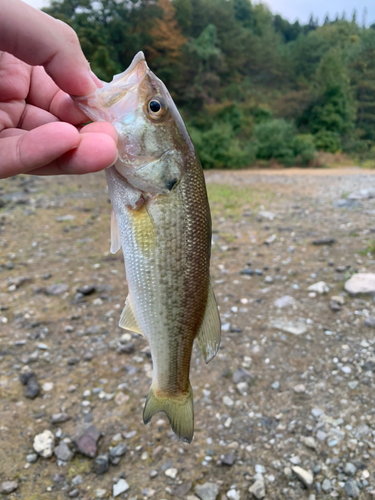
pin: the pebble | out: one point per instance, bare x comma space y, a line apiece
87, 441
59, 418
101, 464
295, 460
370, 322
56, 289
233, 494
120, 487
228, 459
73, 493
306, 477
44, 443
207, 491
324, 241
299, 389
32, 386
317, 412
258, 489
63, 452
100, 493
285, 301
309, 442
320, 287
263, 214
77, 480
361, 283
228, 401
31, 458
275, 385
293, 327
260, 469
350, 469
172, 473
351, 488
327, 486
8, 487
47, 386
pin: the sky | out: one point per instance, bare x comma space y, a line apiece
301, 9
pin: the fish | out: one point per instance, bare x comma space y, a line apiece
161, 219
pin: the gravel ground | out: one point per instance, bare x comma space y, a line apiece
286, 409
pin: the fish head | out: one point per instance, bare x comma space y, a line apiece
153, 141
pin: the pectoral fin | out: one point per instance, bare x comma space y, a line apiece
115, 234
128, 321
210, 331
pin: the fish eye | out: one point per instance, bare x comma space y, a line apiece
156, 108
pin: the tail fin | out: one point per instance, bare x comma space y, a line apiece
179, 410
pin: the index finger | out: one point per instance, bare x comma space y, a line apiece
40, 40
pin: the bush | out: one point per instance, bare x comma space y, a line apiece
218, 148
304, 148
326, 140
275, 141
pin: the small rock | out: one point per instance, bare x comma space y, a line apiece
319, 287
64, 218
207, 491
172, 473
241, 375
47, 386
59, 418
370, 322
120, 487
100, 493
306, 477
77, 480
350, 469
309, 442
275, 385
73, 493
86, 289
87, 441
258, 489
260, 469
295, 460
285, 301
361, 283
338, 299
8, 487
293, 327
271, 239
31, 458
263, 214
299, 389
228, 401
56, 289
32, 386
128, 348
324, 241
351, 488
327, 486
121, 398
317, 412
63, 452
228, 459
234, 495
44, 443
101, 464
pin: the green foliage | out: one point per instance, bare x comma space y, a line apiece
327, 140
275, 141
250, 84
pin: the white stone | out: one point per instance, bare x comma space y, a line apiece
228, 401
263, 214
120, 487
44, 443
293, 327
171, 473
299, 389
361, 283
47, 386
234, 494
258, 489
306, 477
320, 287
284, 301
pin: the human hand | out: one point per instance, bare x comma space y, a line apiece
39, 122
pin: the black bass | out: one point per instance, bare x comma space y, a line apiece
161, 218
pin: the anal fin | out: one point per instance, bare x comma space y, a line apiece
115, 234
128, 321
210, 330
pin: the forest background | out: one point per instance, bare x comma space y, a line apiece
252, 87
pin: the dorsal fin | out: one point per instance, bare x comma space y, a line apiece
210, 331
